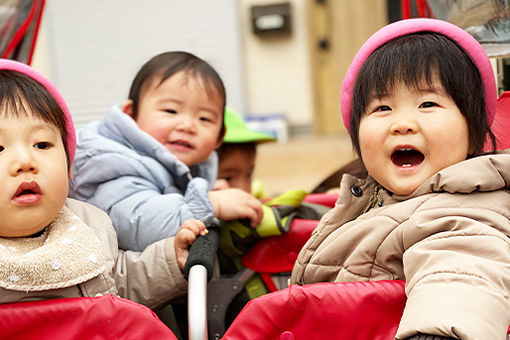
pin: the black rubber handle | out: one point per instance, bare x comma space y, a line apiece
203, 250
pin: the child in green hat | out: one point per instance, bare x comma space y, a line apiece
237, 154
236, 165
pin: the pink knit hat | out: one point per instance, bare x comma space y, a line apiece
408, 26
6, 64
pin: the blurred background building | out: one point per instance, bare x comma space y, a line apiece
282, 62
282, 58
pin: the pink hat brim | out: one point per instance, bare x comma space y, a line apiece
408, 26
7, 64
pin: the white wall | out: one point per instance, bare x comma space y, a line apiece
278, 78
94, 48
40, 59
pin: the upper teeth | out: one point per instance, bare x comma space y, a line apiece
406, 149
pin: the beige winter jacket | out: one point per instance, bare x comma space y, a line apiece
151, 277
448, 240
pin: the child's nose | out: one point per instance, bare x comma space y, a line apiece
404, 124
187, 124
22, 162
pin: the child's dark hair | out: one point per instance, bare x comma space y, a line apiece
167, 64
21, 95
228, 148
417, 58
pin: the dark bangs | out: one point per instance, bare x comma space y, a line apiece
22, 96
420, 59
198, 68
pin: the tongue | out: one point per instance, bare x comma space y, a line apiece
407, 158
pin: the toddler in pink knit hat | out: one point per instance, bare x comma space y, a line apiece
418, 101
52, 246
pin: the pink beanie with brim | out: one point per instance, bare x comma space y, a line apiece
408, 26
6, 64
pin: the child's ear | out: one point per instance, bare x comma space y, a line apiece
221, 136
127, 108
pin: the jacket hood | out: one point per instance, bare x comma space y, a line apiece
121, 128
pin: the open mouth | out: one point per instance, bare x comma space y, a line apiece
182, 143
407, 157
27, 188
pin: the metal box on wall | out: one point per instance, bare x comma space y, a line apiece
271, 19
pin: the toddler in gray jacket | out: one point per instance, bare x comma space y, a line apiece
150, 164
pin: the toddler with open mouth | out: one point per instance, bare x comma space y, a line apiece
418, 101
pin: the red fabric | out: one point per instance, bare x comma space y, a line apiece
21, 31
347, 310
327, 200
327, 310
105, 317
422, 7
278, 254
36, 32
500, 125
405, 9
268, 282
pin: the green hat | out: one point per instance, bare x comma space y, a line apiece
238, 132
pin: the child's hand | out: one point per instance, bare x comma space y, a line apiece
236, 204
221, 184
187, 234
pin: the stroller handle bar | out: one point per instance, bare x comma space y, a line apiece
197, 306
203, 250
198, 270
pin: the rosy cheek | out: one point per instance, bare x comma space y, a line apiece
160, 136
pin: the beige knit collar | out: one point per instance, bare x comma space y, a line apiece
66, 254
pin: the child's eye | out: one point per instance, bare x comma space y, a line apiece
1, 148
382, 108
42, 145
171, 111
428, 104
205, 119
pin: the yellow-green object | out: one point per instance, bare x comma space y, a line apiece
255, 287
257, 190
238, 132
291, 197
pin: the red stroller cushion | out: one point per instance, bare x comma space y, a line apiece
105, 317
327, 200
278, 254
341, 310
501, 123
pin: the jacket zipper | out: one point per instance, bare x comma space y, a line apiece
374, 199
